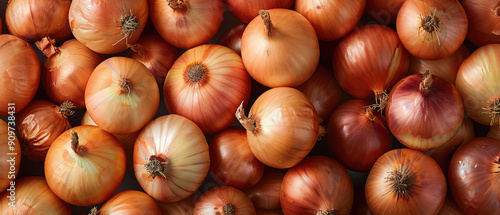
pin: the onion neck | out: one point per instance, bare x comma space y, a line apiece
266, 18
369, 113
327, 212
247, 122
94, 211
195, 74
176, 4
426, 84
129, 25
401, 182
66, 109
228, 209
47, 46
156, 167
124, 85
75, 143
493, 109
430, 22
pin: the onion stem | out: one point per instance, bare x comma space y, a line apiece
65, 108
176, 4
369, 113
247, 122
47, 46
264, 14
493, 109
430, 22
401, 182
129, 25
228, 209
327, 212
426, 84
75, 143
155, 167
124, 85
195, 73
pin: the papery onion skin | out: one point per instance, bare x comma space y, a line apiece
352, 129
474, 175
33, 196
155, 53
65, 74
446, 31
216, 200
33, 20
100, 25
206, 85
424, 120
484, 21
370, 61
477, 82
130, 202
282, 127
179, 142
195, 22
182, 207
246, 10
383, 11
19, 73
89, 174
425, 180
445, 68
286, 57
232, 37
266, 193
231, 160
39, 124
126, 86
8, 146
317, 185
331, 19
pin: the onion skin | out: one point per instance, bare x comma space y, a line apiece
285, 58
34, 20
33, 196
65, 74
232, 37
209, 99
428, 187
266, 193
130, 202
98, 24
214, 200
246, 10
474, 175
353, 130
383, 11
331, 19
445, 38
195, 23
484, 23
5, 148
424, 121
19, 73
316, 185
89, 174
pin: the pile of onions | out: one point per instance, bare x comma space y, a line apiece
108, 27
282, 127
474, 175
39, 124
171, 158
246, 10
405, 181
477, 82
484, 21
224, 200
206, 85
19, 73
383, 11
33, 196
445, 68
231, 160
34, 20
85, 165
370, 61
317, 185
125, 86
356, 128
280, 48
67, 69
9, 148
155, 53
186, 23
424, 111
432, 29
232, 37
266, 193
331, 19
128, 202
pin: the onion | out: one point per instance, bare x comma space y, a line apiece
128, 202
232, 37
224, 200
266, 193
125, 86
171, 158
424, 111
9, 148
182, 207
85, 165
383, 11
67, 69
19, 73
206, 84
317, 185
405, 181
246, 10
477, 82
431, 29
32, 195
282, 127
186, 23
155, 53
34, 20
280, 48
108, 27
331, 19
484, 21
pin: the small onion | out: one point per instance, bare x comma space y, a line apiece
266, 193
224, 200
128, 202
246, 10
232, 37
8, 144
484, 21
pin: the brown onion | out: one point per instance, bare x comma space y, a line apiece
484, 21
232, 37
224, 200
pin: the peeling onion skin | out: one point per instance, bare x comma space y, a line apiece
424, 121
4, 156
33, 196
484, 23
474, 176
214, 200
130, 202
246, 10
428, 187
